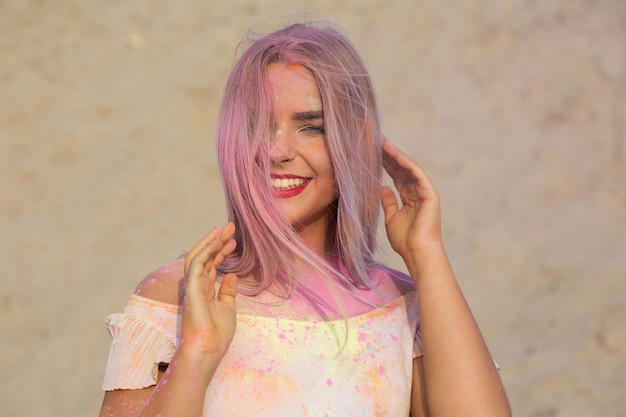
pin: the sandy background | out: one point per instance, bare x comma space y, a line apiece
517, 109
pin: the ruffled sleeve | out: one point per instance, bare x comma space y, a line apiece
143, 336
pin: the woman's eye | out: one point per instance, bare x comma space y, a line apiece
313, 130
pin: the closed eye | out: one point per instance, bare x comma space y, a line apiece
312, 130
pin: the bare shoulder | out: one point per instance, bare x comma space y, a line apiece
164, 283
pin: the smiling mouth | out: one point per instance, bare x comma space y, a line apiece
287, 186
288, 183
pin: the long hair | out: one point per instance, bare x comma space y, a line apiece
268, 248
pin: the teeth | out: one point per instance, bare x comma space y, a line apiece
287, 183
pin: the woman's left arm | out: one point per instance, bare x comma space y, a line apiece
456, 375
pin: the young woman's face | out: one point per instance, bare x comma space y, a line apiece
302, 172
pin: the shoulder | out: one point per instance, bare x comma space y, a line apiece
164, 284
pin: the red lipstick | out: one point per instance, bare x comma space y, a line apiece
293, 191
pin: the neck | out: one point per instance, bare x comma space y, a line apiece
319, 236
318, 241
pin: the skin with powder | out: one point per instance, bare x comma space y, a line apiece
308, 184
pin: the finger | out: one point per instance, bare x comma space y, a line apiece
202, 264
224, 234
204, 242
228, 232
401, 175
229, 244
228, 289
395, 160
397, 165
203, 267
392, 152
227, 248
403, 170
389, 202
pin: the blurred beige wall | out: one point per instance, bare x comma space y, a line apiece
517, 109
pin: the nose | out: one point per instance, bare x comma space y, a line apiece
282, 150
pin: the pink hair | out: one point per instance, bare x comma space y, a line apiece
268, 246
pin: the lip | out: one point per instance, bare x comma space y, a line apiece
292, 192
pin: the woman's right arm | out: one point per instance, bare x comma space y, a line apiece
208, 326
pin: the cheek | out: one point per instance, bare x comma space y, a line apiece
315, 147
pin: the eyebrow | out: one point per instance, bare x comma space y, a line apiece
308, 115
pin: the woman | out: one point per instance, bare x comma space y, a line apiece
284, 311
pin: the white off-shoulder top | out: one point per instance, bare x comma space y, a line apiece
276, 366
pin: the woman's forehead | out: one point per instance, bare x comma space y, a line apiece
293, 83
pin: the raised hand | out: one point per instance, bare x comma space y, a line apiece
208, 323
415, 223
452, 344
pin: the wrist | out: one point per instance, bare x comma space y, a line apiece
423, 250
198, 360
200, 344
424, 257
